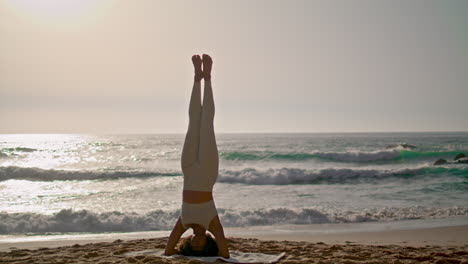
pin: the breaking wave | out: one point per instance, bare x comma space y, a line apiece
350, 156
18, 149
301, 176
68, 220
251, 176
37, 174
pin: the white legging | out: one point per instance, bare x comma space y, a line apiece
200, 159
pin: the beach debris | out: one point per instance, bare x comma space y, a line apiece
440, 162
459, 156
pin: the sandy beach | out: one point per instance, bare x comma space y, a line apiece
428, 245
307, 132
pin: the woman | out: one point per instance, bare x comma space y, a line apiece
200, 167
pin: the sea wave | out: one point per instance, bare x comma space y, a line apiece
37, 174
401, 146
18, 149
348, 156
330, 176
359, 156
68, 220
251, 176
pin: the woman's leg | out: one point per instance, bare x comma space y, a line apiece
192, 138
208, 151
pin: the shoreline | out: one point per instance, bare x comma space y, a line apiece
295, 252
404, 242
403, 233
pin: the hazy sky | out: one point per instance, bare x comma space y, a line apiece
279, 66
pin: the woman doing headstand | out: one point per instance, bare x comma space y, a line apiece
200, 163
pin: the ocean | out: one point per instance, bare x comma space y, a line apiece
64, 183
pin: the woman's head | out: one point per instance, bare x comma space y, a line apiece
198, 245
198, 241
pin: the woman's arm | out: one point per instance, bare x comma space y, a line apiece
217, 230
176, 233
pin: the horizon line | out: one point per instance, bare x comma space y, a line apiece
255, 132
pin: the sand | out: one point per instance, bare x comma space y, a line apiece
297, 252
447, 236
443, 245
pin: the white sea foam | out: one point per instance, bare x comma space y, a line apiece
302, 176
247, 176
252, 176
68, 220
354, 156
37, 174
345, 156
360, 156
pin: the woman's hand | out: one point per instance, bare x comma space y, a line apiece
217, 230
223, 254
170, 252
176, 233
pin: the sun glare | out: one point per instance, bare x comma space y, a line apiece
54, 8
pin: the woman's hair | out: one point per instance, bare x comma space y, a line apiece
210, 250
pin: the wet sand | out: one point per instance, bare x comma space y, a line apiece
431, 245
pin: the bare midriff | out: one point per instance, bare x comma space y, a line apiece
196, 197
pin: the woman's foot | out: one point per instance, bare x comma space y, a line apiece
197, 64
207, 65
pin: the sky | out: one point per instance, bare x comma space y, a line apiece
86, 66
